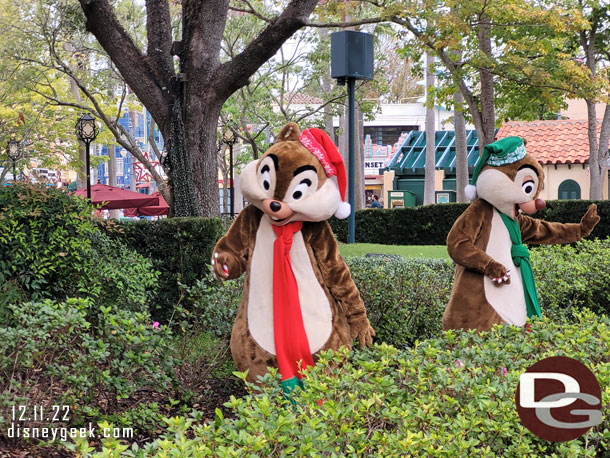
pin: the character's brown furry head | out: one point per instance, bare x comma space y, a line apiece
289, 183
513, 188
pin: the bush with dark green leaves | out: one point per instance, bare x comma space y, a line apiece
179, 248
51, 248
406, 297
573, 276
446, 397
430, 224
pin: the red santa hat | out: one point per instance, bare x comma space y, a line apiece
319, 143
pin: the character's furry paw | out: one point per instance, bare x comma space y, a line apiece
364, 333
504, 279
223, 265
498, 273
589, 221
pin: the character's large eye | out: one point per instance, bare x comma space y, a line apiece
266, 175
301, 188
528, 187
304, 184
527, 179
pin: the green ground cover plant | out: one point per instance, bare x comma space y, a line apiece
448, 396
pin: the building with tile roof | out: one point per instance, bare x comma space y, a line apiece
562, 147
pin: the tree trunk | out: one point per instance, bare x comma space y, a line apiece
112, 174
81, 177
488, 116
598, 151
461, 153
430, 165
182, 183
186, 106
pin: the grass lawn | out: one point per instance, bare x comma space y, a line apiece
407, 251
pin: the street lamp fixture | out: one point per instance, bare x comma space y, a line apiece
87, 131
228, 137
14, 153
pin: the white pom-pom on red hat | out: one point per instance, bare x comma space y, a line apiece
343, 210
471, 192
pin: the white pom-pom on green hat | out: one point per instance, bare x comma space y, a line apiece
502, 152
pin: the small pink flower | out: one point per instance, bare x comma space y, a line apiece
504, 371
458, 363
155, 325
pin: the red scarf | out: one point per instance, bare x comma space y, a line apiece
291, 344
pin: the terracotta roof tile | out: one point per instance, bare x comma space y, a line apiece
304, 99
552, 142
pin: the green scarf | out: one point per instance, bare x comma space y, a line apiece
521, 258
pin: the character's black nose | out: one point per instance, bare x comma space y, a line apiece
275, 206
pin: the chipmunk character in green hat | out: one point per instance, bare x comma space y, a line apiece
493, 276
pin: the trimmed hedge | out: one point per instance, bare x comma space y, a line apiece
430, 224
450, 396
406, 298
180, 249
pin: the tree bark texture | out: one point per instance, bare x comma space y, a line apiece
488, 116
461, 153
186, 106
430, 164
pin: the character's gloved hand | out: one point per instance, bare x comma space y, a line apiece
498, 273
362, 331
589, 221
225, 266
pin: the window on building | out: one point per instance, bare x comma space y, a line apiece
569, 189
386, 135
119, 166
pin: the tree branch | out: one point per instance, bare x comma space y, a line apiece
134, 67
159, 36
234, 74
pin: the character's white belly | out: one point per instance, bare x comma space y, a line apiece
507, 300
315, 308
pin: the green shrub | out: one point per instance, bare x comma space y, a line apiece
446, 397
214, 304
180, 249
573, 276
430, 224
50, 247
405, 298
78, 354
44, 242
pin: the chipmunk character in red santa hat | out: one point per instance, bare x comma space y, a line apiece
493, 276
299, 297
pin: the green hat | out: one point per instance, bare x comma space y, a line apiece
502, 152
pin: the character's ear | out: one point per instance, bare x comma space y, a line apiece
290, 132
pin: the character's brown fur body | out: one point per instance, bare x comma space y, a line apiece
478, 239
333, 310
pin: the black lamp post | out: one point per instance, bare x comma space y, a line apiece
229, 138
14, 153
86, 131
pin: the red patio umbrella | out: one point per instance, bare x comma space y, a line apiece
155, 210
114, 198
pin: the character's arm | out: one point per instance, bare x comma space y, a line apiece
340, 283
462, 249
544, 232
231, 252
